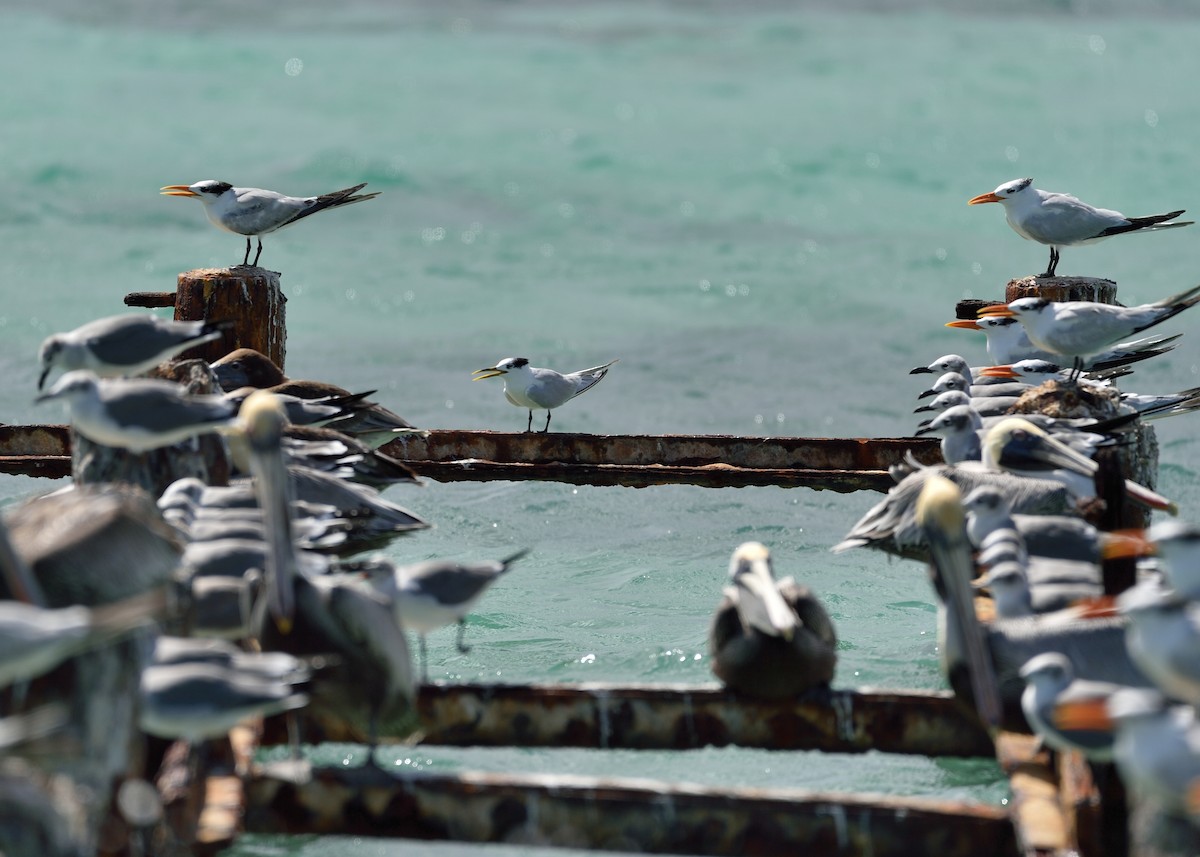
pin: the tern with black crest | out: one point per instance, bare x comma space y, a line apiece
254, 212
536, 389
1061, 220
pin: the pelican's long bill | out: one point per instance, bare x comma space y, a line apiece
760, 605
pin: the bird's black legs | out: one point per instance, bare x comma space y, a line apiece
529, 423
246, 258
1053, 264
424, 660
256, 255
462, 627
547, 428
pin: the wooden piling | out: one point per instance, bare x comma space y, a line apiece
1095, 289
248, 297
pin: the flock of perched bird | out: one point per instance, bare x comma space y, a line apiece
1117, 679
270, 558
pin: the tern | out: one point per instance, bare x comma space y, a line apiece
1082, 329
34, 640
430, 595
1163, 638
194, 701
1007, 342
958, 427
1051, 690
1061, 220
1055, 536
541, 389
1156, 745
253, 212
138, 414
770, 639
986, 662
124, 344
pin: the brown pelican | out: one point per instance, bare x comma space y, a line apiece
770, 639
320, 615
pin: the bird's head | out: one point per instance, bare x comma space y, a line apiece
205, 191
1050, 668
51, 348
1005, 192
1019, 309
71, 386
504, 367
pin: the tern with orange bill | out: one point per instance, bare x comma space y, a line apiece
1007, 342
1051, 692
254, 212
1082, 329
1061, 220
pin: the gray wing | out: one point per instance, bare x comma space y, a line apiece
1062, 219
131, 339
585, 379
450, 583
160, 408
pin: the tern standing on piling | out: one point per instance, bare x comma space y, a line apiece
1061, 220
541, 389
254, 212
1081, 329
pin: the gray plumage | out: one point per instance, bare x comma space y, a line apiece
123, 344
138, 414
890, 525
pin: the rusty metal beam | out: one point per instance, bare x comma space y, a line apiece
683, 717
620, 814
839, 464
150, 300
715, 461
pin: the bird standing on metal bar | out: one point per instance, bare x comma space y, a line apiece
526, 386
430, 595
254, 212
1061, 220
771, 639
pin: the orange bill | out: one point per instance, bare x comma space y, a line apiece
1083, 714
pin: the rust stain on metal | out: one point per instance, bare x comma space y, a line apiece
623, 815
683, 717
150, 300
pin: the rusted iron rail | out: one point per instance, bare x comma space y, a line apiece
620, 814
654, 717
839, 464
685, 717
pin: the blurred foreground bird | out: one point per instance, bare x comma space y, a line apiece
123, 344
770, 639
430, 595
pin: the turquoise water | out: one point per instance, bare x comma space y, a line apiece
761, 211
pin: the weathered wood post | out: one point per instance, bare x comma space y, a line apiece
250, 298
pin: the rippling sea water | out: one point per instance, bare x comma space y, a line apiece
759, 209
